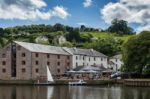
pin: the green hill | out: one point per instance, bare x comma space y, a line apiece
108, 35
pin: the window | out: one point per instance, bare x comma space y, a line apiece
58, 70
58, 63
3, 55
48, 63
36, 62
68, 64
23, 62
19, 47
76, 57
4, 70
83, 57
94, 59
3, 62
101, 59
23, 54
23, 70
48, 56
58, 56
36, 55
76, 64
116, 60
37, 70
83, 64
89, 58
68, 57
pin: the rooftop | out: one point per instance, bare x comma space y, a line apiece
42, 48
59, 50
88, 52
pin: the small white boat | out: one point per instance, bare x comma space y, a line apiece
80, 82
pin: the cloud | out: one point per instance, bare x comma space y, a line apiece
87, 3
133, 11
143, 27
29, 9
81, 23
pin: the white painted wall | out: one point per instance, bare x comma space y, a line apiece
61, 40
88, 61
117, 65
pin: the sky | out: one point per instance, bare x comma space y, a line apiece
91, 13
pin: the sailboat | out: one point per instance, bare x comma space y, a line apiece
50, 79
49, 76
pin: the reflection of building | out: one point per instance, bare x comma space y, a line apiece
26, 92
29, 61
115, 62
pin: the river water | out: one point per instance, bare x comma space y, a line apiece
74, 92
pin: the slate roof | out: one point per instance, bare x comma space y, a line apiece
42, 48
59, 50
119, 56
87, 52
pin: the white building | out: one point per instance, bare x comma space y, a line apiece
115, 62
59, 40
87, 57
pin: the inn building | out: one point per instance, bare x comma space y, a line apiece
87, 57
28, 61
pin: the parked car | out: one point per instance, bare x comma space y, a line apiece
116, 75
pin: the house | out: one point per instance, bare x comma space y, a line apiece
94, 39
115, 62
28, 61
41, 39
87, 57
59, 40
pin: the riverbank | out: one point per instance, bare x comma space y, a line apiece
126, 82
137, 82
57, 82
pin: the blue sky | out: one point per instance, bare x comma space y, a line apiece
92, 13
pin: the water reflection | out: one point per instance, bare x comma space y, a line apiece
73, 92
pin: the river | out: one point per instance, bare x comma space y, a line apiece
74, 92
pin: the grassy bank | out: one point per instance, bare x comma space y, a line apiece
107, 35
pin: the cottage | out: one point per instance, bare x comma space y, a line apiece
115, 62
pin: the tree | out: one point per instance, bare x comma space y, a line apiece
66, 44
82, 28
120, 27
58, 27
136, 53
107, 46
73, 35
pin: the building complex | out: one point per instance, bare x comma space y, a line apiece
28, 61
